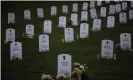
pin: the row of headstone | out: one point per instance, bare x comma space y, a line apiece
62, 23
84, 16
74, 16
107, 46
107, 52
16, 47
112, 10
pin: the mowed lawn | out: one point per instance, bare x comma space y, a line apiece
34, 63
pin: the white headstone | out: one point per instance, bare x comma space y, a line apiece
62, 21
103, 12
84, 16
64, 64
93, 13
30, 30
15, 50
47, 26
110, 21
124, 5
11, 18
96, 25
74, 18
131, 4
99, 3
69, 34
112, 9
65, 9
75, 7
125, 41
85, 6
130, 14
10, 35
27, 14
118, 8
40, 12
84, 28
107, 49
53, 10
92, 4
43, 43
123, 17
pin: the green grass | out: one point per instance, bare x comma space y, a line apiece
83, 51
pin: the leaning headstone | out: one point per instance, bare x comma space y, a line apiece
110, 21
84, 16
69, 35
40, 12
99, 3
93, 13
123, 17
118, 8
30, 31
103, 12
84, 28
43, 43
16, 51
53, 10
107, 49
124, 5
11, 18
65, 9
92, 4
27, 15
112, 9
130, 14
47, 26
96, 25
10, 35
62, 22
125, 41
75, 7
74, 19
64, 64
85, 6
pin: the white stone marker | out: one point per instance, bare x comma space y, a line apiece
10, 35
110, 21
43, 43
27, 14
47, 26
40, 12
62, 22
125, 41
11, 18
64, 64
107, 49
53, 10
84, 16
30, 31
16, 50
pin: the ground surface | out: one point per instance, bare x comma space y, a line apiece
83, 51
